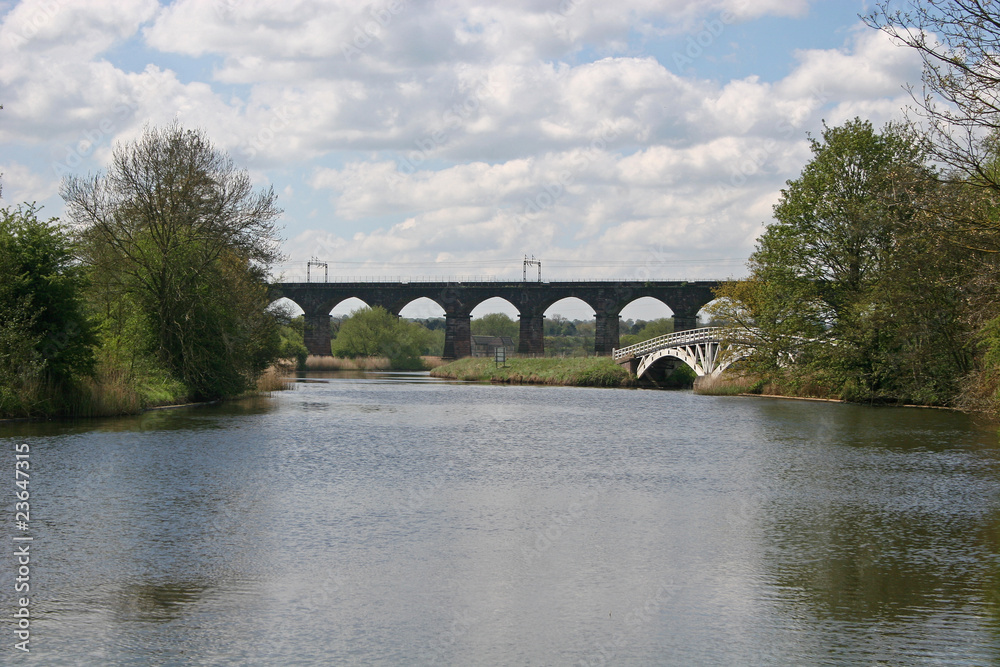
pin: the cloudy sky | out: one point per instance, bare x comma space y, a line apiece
625, 139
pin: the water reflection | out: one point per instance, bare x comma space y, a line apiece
156, 603
180, 418
383, 520
374, 377
879, 525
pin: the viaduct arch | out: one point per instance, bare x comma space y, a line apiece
607, 298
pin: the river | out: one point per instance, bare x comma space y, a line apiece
394, 519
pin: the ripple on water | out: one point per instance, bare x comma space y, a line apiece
395, 519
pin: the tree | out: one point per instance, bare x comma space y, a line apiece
648, 330
958, 41
495, 324
175, 232
848, 281
292, 344
375, 332
45, 336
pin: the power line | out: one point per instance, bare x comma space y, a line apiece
516, 261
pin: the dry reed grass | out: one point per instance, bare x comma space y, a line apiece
323, 363
109, 394
276, 378
726, 385
433, 362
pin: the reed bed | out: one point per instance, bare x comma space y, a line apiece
323, 363
277, 378
568, 371
736, 384
726, 385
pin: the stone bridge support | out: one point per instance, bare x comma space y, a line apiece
457, 335
317, 331
685, 319
531, 336
606, 335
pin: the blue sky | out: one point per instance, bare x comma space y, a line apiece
612, 140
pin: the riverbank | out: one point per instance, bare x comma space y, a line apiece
569, 371
116, 394
744, 385
749, 385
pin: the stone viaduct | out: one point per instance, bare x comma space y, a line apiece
531, 300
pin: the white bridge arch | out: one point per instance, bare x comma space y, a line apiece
704, 350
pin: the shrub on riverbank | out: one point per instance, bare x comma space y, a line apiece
112, 389
574, 371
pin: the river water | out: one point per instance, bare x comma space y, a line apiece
394, 519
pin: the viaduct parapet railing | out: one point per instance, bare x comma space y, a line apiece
530, 299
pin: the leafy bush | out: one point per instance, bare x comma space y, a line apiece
375, 332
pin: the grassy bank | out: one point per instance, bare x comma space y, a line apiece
573, 371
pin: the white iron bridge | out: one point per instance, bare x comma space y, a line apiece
705, 350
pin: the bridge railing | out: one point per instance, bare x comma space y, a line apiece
302, 278
685, 337
313, 278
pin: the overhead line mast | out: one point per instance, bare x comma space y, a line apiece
534, 261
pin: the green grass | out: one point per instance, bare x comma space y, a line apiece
572, 371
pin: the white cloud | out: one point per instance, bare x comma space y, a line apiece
447, 131
870, 66
18, 183
704, 181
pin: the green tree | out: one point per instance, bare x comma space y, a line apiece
45, 336
558, 326
175, 232
495, 324
375, 332
292, 344
648, 330
848, 281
